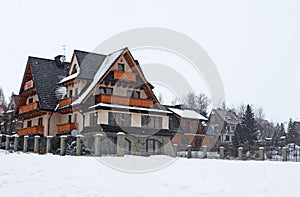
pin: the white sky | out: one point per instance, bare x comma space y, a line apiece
254, 44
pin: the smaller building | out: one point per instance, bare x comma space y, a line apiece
13, 124
223, 123
188, 126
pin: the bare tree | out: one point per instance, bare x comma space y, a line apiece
160, 98
202, 103
241, 109
260, 114
190, 100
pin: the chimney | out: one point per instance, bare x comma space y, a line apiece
60, 59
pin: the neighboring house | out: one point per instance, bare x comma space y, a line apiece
13, 124
3, 113
188, 125
94, 93
223, 123
264, 130
297, 126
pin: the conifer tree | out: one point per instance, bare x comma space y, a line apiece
249, 122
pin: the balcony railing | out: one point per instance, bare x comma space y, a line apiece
102, 98
65, 102
66, 127
28, 84
29, 107
34, 130
126, 76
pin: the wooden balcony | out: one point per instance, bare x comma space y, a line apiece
28, 84
102, 98
66, 127
34, 130
126, 76
65, 102
29, 107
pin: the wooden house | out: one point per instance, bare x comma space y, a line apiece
94, 93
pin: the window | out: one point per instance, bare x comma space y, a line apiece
30, 100
74, 69
29, 123
93, 119
69, 118
151, 146
104, 90
133, 94
151, 122
121, 67
71, 93
119, 119
227, 128
40, 122
227, 138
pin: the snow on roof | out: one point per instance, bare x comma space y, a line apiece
297, 120
109, 60
69, 77
128, 107
187, 113
282, 137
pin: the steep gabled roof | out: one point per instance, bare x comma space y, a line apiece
46, 74
104, 67
89, 63
227, 116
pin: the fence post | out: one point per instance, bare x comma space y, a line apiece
48, 145
222, 155
0, 141
120, 143
78, 145
63, 145
284, 153
204, 149
240, 153
175, 149
36, 144
7, 142
98, 144
261, 153
25, 144
16, 143
189, 149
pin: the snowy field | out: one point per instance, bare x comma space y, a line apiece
51, 175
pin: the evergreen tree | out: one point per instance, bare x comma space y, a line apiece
291, 131
239, 138
249, 122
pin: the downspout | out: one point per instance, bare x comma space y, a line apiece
49, 119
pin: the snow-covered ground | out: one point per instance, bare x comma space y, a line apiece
51, 175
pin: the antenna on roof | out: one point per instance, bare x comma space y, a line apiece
64, 49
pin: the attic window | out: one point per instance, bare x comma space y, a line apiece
75, 70
121, 67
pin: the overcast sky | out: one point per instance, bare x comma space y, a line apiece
254, 44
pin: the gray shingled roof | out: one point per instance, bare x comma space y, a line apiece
228, 116
89, 63
47, 73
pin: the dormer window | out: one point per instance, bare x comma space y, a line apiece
121, 67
